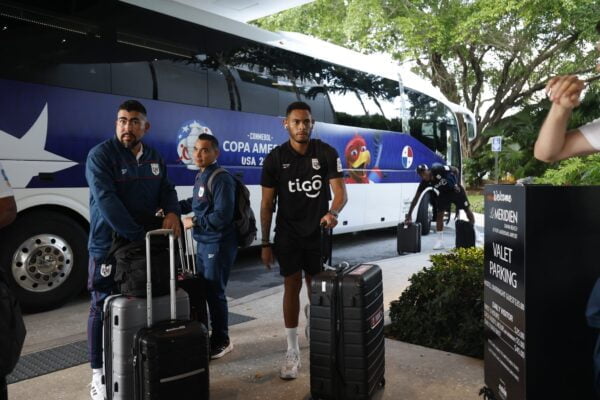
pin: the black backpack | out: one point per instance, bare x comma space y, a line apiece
243, 218
131, 267
12, 328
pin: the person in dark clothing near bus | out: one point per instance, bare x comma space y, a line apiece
444, 180
128, 184
298, 175
8, 213
215, 233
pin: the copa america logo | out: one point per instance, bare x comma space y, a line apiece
186, 138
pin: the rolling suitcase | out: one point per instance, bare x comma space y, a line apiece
170, 358
408, 238
347, 348
190, 281
465, 233
123, 316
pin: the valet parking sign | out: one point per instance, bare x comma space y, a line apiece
504, 292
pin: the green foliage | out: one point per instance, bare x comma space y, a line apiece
574, 171
467, 48
476, 201
443, 306
519, 132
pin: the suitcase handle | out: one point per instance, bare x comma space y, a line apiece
189, 249
158, 232
326, 247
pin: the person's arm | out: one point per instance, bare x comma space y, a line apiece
340, 198
8, 210
102, 188
169, 203
413, 203
223, 205
266, 217
554, 142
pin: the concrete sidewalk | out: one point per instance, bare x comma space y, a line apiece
251, 370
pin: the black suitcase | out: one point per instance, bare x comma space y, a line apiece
465, 234
347, 347
408, 238
170, 358
191, 282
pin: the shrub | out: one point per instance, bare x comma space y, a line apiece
443, 306
574, 171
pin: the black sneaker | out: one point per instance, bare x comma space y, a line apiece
218, 350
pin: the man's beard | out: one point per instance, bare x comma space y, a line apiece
131, 144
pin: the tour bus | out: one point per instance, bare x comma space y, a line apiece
67, 66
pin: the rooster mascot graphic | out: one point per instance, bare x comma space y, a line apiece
358, 159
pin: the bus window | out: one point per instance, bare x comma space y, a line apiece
257, 92
132, 79
181, 82
309, 92
434, 124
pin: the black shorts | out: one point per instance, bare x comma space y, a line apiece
297, 254
458, 198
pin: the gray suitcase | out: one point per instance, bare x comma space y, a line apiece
123, 318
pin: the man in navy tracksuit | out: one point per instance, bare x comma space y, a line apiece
128, 184
214, 230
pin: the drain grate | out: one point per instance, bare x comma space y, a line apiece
67, 356
46, 361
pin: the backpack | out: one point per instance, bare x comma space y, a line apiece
131, 267
12, 329
243, 216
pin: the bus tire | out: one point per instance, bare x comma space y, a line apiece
424, 215
45, 257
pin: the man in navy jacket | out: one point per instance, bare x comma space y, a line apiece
214, 230
128, 185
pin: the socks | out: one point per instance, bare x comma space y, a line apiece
97, 374
292, 338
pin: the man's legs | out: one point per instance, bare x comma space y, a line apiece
291, 299
292, 285
99, 287
439, 225
216, 272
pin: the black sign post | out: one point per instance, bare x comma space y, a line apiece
542, 257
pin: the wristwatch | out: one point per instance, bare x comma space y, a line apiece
334, 213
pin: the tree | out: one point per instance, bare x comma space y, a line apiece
520, 132
489, 55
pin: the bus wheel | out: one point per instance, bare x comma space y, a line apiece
46, 256
424, 214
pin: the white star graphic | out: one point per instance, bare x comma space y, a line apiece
28, 156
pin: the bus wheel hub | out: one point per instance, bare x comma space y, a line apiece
42, 263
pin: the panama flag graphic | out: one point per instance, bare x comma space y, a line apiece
407, 156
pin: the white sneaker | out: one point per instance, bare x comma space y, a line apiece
289, 369
97, 389
438, 245
307, 314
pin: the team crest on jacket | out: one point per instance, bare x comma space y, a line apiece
105, 270
315, 163
155, 168
201, 191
